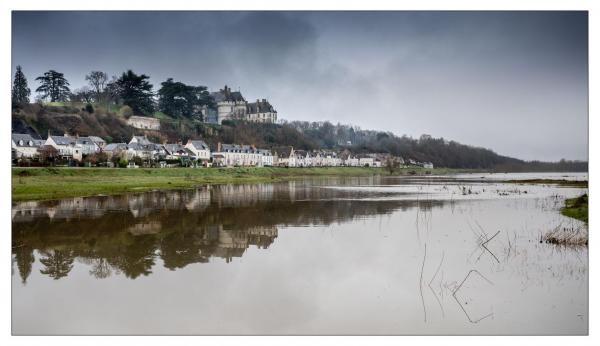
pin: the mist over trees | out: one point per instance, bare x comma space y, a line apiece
53, 86
20, 90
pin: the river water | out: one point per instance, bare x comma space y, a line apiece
376, 255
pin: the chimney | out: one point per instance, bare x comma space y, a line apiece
65, 134
48, 133
219, 147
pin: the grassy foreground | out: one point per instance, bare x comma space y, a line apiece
576, 208
54, 183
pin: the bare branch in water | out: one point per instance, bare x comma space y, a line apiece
458, 301
421, 284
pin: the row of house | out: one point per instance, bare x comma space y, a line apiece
195, 151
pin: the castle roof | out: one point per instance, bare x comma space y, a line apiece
226, 94
260, 107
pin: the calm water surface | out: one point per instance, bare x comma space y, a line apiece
433, 255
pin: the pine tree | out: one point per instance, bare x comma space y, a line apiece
135, 91
20, 91
53, 86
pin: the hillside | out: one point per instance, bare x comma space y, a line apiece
39, 119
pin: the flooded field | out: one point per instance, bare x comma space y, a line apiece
378, 255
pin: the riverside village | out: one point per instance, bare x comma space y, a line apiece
73, 149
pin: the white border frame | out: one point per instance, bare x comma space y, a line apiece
5, 127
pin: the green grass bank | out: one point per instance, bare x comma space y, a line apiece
576, 208
55, 183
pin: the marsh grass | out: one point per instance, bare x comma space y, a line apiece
567, 236
576, 208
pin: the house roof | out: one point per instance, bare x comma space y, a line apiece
283, 152
198, 144
115, 146
27, 139
141, 140
96, 139
237, 148
174, 148
84, 140
62, 140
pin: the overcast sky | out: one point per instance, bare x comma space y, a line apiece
514, 82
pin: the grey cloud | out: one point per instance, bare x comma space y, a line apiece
515, 82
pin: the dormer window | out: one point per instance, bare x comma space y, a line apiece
30, 143
21, 142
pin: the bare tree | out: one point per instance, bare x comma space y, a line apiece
97, 81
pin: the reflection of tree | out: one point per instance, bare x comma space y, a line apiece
137, 258
25, 258
100, 268
58, 263
228, 221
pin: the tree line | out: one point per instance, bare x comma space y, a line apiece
175, 99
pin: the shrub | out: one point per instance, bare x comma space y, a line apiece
126, 111
123, 163
89, 108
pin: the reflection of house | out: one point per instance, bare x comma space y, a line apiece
262, 236
199, 200
25, 146
145, 123
151, 227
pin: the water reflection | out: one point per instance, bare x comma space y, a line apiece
325, 256
126, 234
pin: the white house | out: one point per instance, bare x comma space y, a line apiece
352, 161
115, 149
199, 148
140, 140
366, 162
144, 123
101, 143
236, 155
66, 146
25, 146
88, 146
178, 151
267, 159
428, 165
